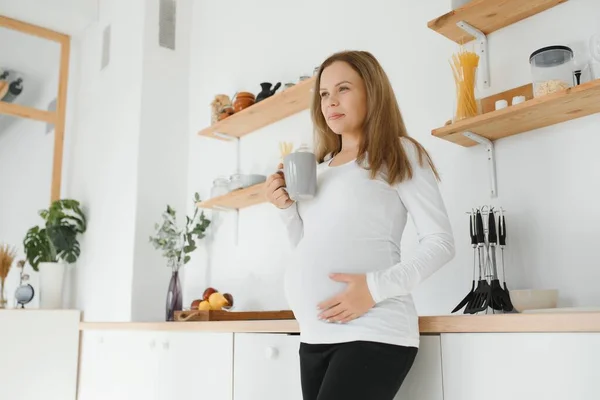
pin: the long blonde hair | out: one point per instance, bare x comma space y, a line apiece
383, 125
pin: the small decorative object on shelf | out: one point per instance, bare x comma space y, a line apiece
176, 245
243, 100
218, 106
464, 68
7, 256
24, 293
267, 91
226, 111
54, 245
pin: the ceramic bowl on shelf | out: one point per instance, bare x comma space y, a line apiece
531, 299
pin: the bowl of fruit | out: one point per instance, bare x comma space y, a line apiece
213, 300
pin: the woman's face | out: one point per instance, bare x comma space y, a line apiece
343, 98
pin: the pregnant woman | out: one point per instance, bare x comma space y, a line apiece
346, 282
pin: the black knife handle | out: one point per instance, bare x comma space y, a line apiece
472, 229
479, 228
492, 236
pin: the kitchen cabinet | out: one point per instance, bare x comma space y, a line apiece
117, 366
30, 342
196, 365
266, 367
500, 366
424, 380
155, 365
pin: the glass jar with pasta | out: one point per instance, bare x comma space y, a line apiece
464, 69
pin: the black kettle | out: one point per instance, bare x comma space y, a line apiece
267, 91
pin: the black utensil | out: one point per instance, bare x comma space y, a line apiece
469, 295
498, 296
508, 306
482, 295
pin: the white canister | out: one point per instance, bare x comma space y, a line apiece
51, 282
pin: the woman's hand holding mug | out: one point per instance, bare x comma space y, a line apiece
275, 190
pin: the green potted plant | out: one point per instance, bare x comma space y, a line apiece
176, 245
50, 247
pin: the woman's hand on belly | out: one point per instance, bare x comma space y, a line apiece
353, 302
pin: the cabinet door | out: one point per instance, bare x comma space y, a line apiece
39, 354
266, 367
93, 362
118, 365
137, 365
194, 365
500, 366
424, 380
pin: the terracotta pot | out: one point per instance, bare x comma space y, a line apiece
242, 102
245, 95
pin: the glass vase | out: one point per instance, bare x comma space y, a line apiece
3, 300
174, 295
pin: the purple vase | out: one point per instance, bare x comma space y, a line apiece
174, 296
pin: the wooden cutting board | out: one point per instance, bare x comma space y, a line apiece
220, 315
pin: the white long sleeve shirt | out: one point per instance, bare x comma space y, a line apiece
355, 225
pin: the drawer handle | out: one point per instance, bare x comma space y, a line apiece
271, 352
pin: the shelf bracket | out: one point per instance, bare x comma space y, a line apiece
489, 147
483, 51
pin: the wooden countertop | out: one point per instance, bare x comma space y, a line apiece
543, 322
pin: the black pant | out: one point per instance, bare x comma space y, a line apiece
359, 370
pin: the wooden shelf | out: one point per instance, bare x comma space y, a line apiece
18, 110
240, 198
488, 16
265, 112
572, 103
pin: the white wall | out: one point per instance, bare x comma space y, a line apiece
128, 157
541, 174
162, 163
26, 150
102, 156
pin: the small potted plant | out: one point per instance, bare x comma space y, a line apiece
176, 244
52, 246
